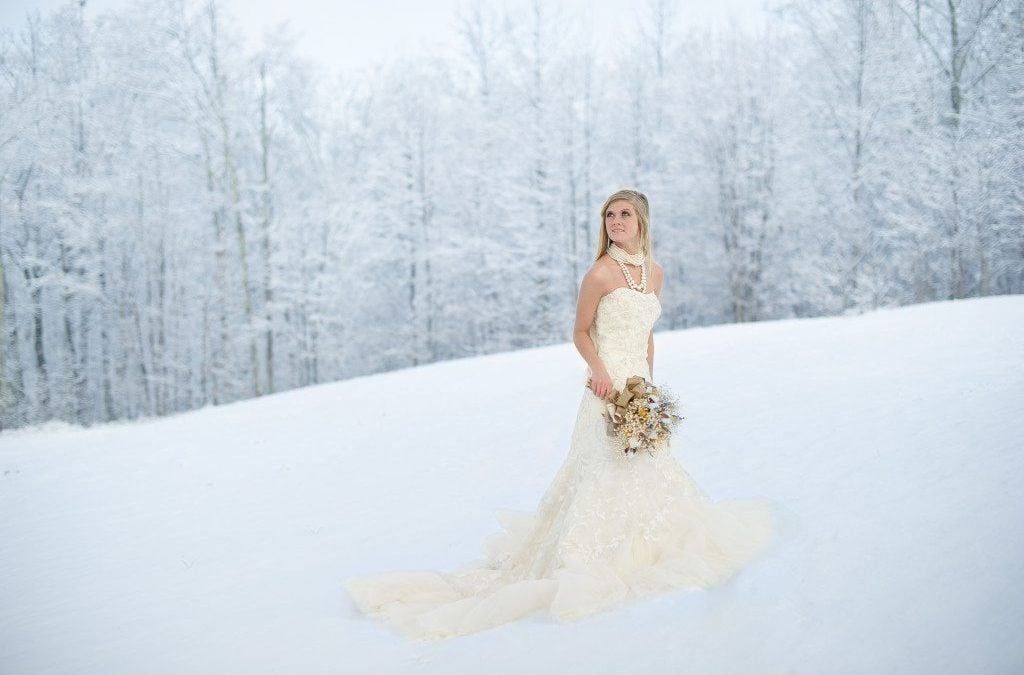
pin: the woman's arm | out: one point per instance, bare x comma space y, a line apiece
650, 354
592, 289
658, 278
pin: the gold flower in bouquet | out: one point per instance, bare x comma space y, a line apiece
641, 416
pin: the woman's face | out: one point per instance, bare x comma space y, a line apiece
621, 222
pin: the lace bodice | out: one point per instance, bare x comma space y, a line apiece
620, 332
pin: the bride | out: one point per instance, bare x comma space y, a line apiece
611, 526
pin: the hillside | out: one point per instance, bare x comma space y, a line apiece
215, 541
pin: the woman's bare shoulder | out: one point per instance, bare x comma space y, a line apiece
600, 273
658, 277
596, 282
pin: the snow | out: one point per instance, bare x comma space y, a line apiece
215, 541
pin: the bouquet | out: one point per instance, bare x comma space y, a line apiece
641, 416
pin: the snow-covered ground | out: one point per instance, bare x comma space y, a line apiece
216, 541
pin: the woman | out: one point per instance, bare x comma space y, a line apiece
611, 526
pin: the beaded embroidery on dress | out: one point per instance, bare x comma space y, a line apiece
609, 528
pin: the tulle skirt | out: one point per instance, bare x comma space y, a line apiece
610, 528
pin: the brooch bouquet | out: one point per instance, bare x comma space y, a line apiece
641, 416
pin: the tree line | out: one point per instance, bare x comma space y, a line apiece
185, 221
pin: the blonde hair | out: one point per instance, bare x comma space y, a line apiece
643, 216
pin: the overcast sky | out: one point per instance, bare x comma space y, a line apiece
352, 34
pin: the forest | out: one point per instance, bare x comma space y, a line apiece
187, 221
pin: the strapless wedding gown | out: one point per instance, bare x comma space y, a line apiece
610, 527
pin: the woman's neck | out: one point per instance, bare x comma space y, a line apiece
630, 247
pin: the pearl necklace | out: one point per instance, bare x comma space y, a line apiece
621, 256
619, 253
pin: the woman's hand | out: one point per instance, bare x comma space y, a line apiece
601, 383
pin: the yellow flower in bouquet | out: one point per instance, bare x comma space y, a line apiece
641, 416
